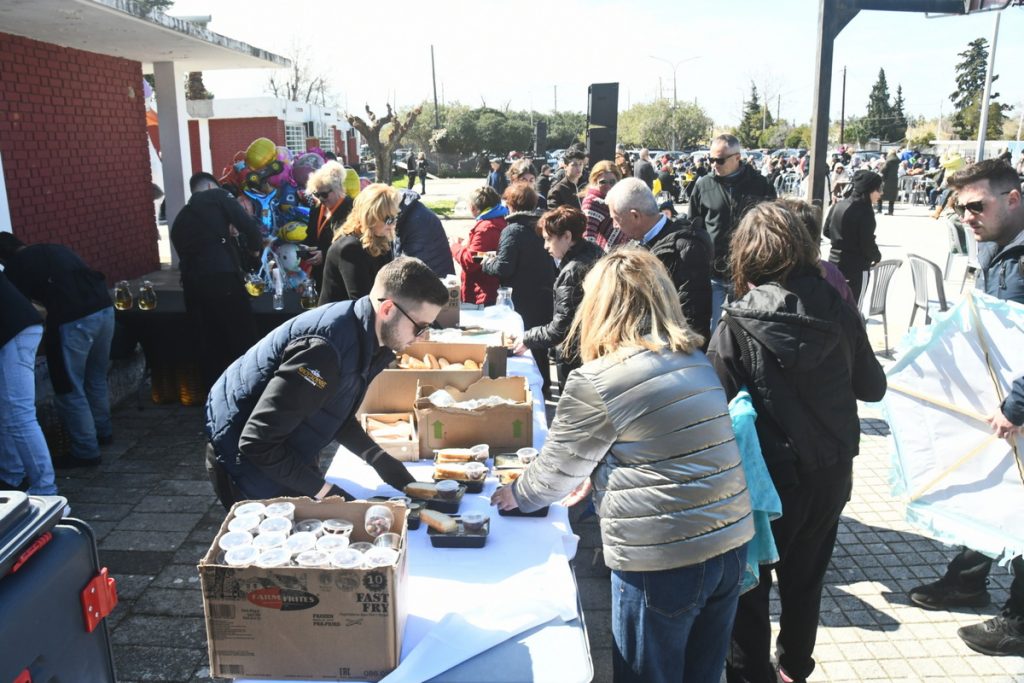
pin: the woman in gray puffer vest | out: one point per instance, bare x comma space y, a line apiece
645, 424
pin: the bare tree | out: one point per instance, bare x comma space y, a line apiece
299, 83
383, 136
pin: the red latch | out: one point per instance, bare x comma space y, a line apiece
99, 598
24, 677
31, 550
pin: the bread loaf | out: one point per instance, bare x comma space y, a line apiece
454, 455
438, 521
449, 470
421, 490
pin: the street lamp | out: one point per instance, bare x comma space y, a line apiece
675, 67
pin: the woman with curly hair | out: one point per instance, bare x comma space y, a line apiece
362, 245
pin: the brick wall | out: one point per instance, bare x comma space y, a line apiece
193, 147
228, 136
75, 154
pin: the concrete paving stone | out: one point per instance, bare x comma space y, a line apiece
837, 671
955, 667
177, 576
160, 521
134, 540
153, 630
102, 493
188, 487
133, 467
100, 530
190, 553
594, 593
204, 534
202, 675
159, 664
120, 613
162, 503
189, 473
134, 562
602, 660
131, 586
133, 480
170, 602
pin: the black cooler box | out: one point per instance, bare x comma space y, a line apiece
54, 596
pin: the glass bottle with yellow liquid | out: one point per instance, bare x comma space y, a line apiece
123, 296
147, 296
254, 284
309, 297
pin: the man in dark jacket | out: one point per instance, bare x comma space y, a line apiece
411, 169
496, 178
721, 198
79, 329
212, 280
566, 191
890, 181
644, 170
419, 233
274, 409
990, 202
684, 248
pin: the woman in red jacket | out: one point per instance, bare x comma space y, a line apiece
478, 287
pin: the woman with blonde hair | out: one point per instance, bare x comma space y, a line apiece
804, 356
644, 424
331, 205
362, 245
601, 228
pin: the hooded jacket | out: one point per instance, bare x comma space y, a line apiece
652, 432
722, 201
1002, 276
851, 227
419, 233
686, 252
479, 287
524, 265
804, 355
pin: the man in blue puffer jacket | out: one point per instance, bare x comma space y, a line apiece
419, 233
273, 410
990, 204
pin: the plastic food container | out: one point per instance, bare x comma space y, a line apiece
273, 539
347, 559
275, 557
271, 524
234, 539
283, 509
330, 544
362, 547
300, 542
253, 508
381, 557
481, 452
527, 455
476, 470
338, 526
447, 489
241, 556
474, 521
313, 558
313, 526
249, 523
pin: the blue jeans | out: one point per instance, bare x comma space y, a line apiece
85, 410
721, 290
23, 451
674, 625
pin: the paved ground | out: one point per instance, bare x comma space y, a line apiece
155, 515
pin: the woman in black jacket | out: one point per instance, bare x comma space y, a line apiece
803, 354
330, 208
562, 229
523, 264
851, 227
362, 246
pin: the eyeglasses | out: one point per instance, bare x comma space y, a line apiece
420, 328
721, 160
975, 207
322, 196
607, 182
390, 220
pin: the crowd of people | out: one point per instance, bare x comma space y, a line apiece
655, 323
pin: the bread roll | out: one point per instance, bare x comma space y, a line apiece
431, 361
470, 364
443, 362
438, 521
421, 490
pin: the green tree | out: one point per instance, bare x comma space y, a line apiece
898, 127
755, 121
652, 124
148, 6
799, 137
879, 116
970, 88
565, 128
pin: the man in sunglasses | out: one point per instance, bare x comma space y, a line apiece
273, 410
989, 202
720, 199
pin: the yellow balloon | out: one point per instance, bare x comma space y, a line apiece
351, 183
260, 152
293, 231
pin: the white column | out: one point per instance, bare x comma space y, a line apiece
174, 148
5, 208
205, 155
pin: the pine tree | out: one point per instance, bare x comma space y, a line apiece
898, 126
970, 87
756, 120
879, 116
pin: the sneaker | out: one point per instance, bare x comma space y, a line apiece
948, 593
999, 637
71, 462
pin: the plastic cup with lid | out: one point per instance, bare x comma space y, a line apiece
362, 547
347, 559
249, 523
481, 452
378, 520
241, 556
389, 540
271, 539
401, 500
313, 558
447, 489
474, 521
475, 470
527, 455
275, 557
250, 508
381, 557
271, 524
234, 539
281, 509
338, 526
329, 544
300, 542
313, 526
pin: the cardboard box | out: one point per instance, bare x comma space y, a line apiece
394, 390
403, 449
450, 315
504, 427
308, 624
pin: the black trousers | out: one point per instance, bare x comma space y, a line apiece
805, 536
220, 320
544, 365
971, 569
856, 282
878, 206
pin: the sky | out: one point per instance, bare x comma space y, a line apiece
501, 53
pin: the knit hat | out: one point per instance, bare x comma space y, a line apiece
866, 182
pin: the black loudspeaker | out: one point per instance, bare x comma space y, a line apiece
540, 139
602, 121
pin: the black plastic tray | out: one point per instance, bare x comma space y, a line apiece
22, 519
471, 486
543, 512
460, 538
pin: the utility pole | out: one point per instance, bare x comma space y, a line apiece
778, 108
433, 76
675, 92
983, 123
842, 112
556, 98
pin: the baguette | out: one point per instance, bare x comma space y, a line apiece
421, 490
438, 521
454, 455
431, 361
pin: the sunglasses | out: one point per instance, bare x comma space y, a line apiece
322, 195
390, 220
721, 160
419, 328
607, 182
976, 207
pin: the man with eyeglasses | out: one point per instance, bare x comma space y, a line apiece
275, 408
990, 204
720, 200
